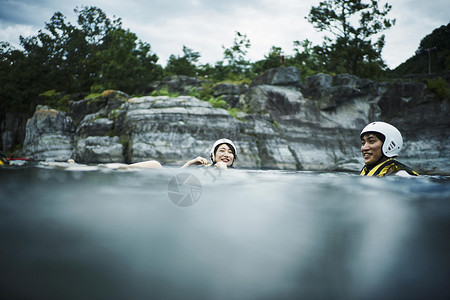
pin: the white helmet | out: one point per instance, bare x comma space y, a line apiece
220, 142
393, 138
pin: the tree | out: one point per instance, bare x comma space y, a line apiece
13, 95
306, 58
236, 55
116, 59
353, 25
123, 63
432, 56
183, 65
274, 59
97, 54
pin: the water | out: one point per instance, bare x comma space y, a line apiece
96, 233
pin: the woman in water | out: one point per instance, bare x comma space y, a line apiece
223, 154
380, 143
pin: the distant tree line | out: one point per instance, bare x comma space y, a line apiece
97, 54
432, 56
65, 60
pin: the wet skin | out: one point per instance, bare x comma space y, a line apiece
224, 154
371, 150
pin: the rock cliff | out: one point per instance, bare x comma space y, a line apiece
287, 124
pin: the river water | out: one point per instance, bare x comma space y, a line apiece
91, 232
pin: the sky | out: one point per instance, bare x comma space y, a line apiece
206, 25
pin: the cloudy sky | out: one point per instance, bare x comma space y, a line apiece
206, 25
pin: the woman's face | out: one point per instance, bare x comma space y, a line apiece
224, 154
371, 149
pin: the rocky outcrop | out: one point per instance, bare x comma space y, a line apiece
49, 135
424, 122
180, 84
289, 76
95, 139
11, 128
229, 92
287, 124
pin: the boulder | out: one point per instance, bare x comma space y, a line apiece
283, 76
229, 92
99, 149
95, 125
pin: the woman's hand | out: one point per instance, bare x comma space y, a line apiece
196, 161
221, 165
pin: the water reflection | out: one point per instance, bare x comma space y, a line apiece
96, 233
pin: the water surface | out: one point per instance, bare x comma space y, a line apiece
88, 232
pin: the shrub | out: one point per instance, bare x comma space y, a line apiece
56, 100
439, 86
218, 103
164, 91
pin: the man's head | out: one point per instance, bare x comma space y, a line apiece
380, 141
390, 136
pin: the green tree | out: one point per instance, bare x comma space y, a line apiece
235, 56
124, 63
353, 25
97, 54
218, 72
13, 95
183, 65
116, 59
274, 59
306, 59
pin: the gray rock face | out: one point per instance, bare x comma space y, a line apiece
311, 126
99, 149
279, 101
96, 139
424, 123
10, 129
230, 93
333, 91
171, 129
289, 76
49, 135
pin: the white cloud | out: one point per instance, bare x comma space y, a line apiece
11, 33
206, 25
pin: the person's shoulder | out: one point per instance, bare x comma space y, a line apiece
403, 173
402, 170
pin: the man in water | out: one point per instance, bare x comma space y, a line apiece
380, 143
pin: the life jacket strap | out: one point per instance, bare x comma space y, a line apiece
388, 165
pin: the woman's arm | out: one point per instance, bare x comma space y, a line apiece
149, 164
196, 161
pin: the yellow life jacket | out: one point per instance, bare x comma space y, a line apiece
387, 167
3, 160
